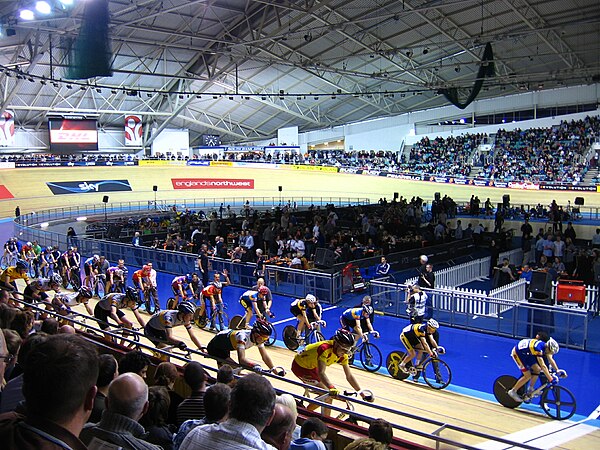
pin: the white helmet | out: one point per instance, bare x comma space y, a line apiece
311, 298
552, 346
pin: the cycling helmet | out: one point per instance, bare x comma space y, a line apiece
263, 290
85, 292
95, 257
186, 308
132, 294
552, 345
262, 327
147, 268
344, 337
22, 265
56, 279
367, 309
432, 323
29, 244
188, 278
311, 298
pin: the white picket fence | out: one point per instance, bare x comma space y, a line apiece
469, 271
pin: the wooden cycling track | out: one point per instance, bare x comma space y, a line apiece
31, 193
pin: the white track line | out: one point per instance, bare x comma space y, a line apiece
548, 435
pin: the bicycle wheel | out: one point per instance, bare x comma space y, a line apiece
501, 386
4, 262
171, 303
437, 373
393, 361
200, 318
558, 402
237, 323
315, 336
289, 338
75, 280
272, 338
370, 357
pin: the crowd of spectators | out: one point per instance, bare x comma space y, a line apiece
57, 392
554, 154
449, 157
66, 157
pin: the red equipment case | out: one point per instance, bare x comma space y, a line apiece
570, 291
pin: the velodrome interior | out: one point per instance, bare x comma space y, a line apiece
372, 74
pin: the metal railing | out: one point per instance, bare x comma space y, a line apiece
505, 311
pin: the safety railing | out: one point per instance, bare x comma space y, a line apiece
444, 434
505, 311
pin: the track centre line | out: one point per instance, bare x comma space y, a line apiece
293, 318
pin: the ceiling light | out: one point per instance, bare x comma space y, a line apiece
425, 51
43, 7
457, 69
66, 2
26, 14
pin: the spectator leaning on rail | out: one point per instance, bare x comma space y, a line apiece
56, 410
252, 405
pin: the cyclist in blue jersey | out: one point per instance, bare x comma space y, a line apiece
530, 356
418, 338
352, 317
90, 267
159, 329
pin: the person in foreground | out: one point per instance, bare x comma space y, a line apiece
56, 410
252, 405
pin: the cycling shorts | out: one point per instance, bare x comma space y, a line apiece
295, 311
526, 360
216, 348
102, 315
309, 376
348, 324
87, 269
246, 304
155, 336
410, 341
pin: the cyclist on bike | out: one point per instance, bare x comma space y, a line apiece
310, 364
9, 275
212, 296
36, 291
11, 250
352, 318
265, 300
90, 267
63, 302
27, 253
46, 261
418, 338
114, 278
179, 287
140, 281
111, 305
159, 329
299, 309
152, 288
530, 356
227, 341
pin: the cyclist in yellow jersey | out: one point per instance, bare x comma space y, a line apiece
310, 365
9, 276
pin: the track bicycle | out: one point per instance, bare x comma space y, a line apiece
9, 260
99, 285
72, 277
292, 341
368, 353
238, 322
347, 415
435, 371
221, 316
150, 298
557, 401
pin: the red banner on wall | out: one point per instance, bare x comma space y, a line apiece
212, 183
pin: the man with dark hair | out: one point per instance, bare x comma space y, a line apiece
193, 406
216, 403
279, 431
108, 371
126, 403
312, 434
135, 362
252, 404
56, 410
381, 431
225, 375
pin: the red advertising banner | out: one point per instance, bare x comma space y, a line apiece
212, 183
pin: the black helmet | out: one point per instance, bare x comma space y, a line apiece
186, 308
85, 292
344, 337
132, 294
262, 327
22, 265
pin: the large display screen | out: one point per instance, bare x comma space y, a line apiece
73, 135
